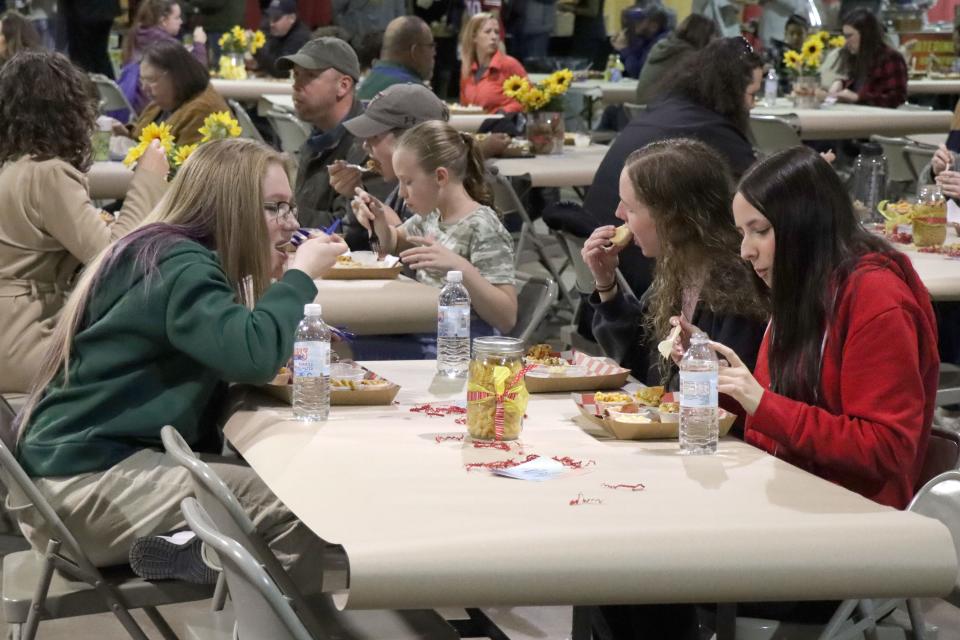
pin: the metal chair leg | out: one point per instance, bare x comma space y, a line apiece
918, 629
220, 593
582, 629
29, 629
160, 623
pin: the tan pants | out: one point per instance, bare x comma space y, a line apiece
140, 496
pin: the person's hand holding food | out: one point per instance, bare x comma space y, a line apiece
345, 178
367, 209
941, 160
679, 338
317, 255
949, 182
601, 253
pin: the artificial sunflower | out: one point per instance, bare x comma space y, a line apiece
812, 48
537, 98
514, 85
238, 33
792, 59
836, 42
182, 153
823, 36
134, 154
224, 39
562, 79
258, 41
161, 132
218, 126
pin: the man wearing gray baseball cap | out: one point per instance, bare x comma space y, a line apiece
325, 73
389, 114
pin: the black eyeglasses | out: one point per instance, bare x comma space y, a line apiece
281, 211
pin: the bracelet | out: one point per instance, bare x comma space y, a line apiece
607, 288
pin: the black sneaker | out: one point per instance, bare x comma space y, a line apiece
176, 556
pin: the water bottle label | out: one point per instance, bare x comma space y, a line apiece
453, 322
311, 359
698, 389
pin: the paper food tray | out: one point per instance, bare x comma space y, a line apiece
364, 273
623, 430
341, 397
602, 374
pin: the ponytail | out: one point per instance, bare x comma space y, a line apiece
474, 175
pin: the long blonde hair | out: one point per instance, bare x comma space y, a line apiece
468, 48
216, 200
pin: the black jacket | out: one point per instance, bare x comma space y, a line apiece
276, 48
669, 118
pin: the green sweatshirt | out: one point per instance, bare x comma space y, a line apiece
148, 356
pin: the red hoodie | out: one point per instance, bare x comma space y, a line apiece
878, 387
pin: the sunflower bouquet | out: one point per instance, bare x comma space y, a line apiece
216, 126
546, 95
807, 61
235, 44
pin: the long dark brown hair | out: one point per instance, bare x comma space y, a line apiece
717, 77
149, 14
48, 109
697, 30
819, 242
188, 76
857, 67
688, 189
18, 34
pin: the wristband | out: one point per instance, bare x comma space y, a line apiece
607, 288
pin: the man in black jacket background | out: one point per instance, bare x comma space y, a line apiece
287, 35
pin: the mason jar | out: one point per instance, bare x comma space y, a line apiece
496, 391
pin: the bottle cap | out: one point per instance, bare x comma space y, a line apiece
312, 309
454, 276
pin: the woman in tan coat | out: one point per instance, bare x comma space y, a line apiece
179, 90
49, 227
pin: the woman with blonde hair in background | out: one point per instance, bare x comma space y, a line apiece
485, 66
50, 227
158, 325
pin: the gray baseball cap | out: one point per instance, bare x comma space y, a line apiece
399, 106
324, 53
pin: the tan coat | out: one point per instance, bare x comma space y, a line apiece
186, 121
48, 228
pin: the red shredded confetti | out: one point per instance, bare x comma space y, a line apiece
949, 250
580, 500
569, 462
496, 444
631, 487
498, 464
438, 411
461, 421
900, 237
440, 437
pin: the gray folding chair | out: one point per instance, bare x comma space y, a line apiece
55, 585
291, 131
111, 97
262, 610
535, 295
508, 202
900, 176
319, 615
773, 133
246, 124
918, 157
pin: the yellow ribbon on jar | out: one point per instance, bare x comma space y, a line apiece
510, 401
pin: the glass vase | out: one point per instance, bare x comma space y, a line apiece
545, 132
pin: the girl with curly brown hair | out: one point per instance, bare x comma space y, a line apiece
675, 197
50, 227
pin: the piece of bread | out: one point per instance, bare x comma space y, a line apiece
622, 236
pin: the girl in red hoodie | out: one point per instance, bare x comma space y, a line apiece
846, 376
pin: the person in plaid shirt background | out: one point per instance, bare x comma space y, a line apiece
876, 74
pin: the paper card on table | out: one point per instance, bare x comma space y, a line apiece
537, 470
953, 211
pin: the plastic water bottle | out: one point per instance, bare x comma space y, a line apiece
311, 367
611, 63
699, 429
453, 328
616, 73
771, 86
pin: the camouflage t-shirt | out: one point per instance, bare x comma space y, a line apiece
479, 237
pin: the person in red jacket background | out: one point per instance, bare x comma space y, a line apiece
846, 378
484, 66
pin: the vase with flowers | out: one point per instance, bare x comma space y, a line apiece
804, 66
542, 102
235, 45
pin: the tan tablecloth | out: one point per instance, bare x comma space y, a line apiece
422, 531
467, 122
928, 86
375, 307
109, 180
607, 92
941, 275
576, 167
842, 121
252, 88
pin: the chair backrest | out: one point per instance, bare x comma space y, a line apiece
7, 417
918, 157
773, 133
940, 499
574, 244
290, 130
243, 118
898, 169
261, 609
534, 297
633, 110
111, 97
943, 454
228, 515
505, 197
